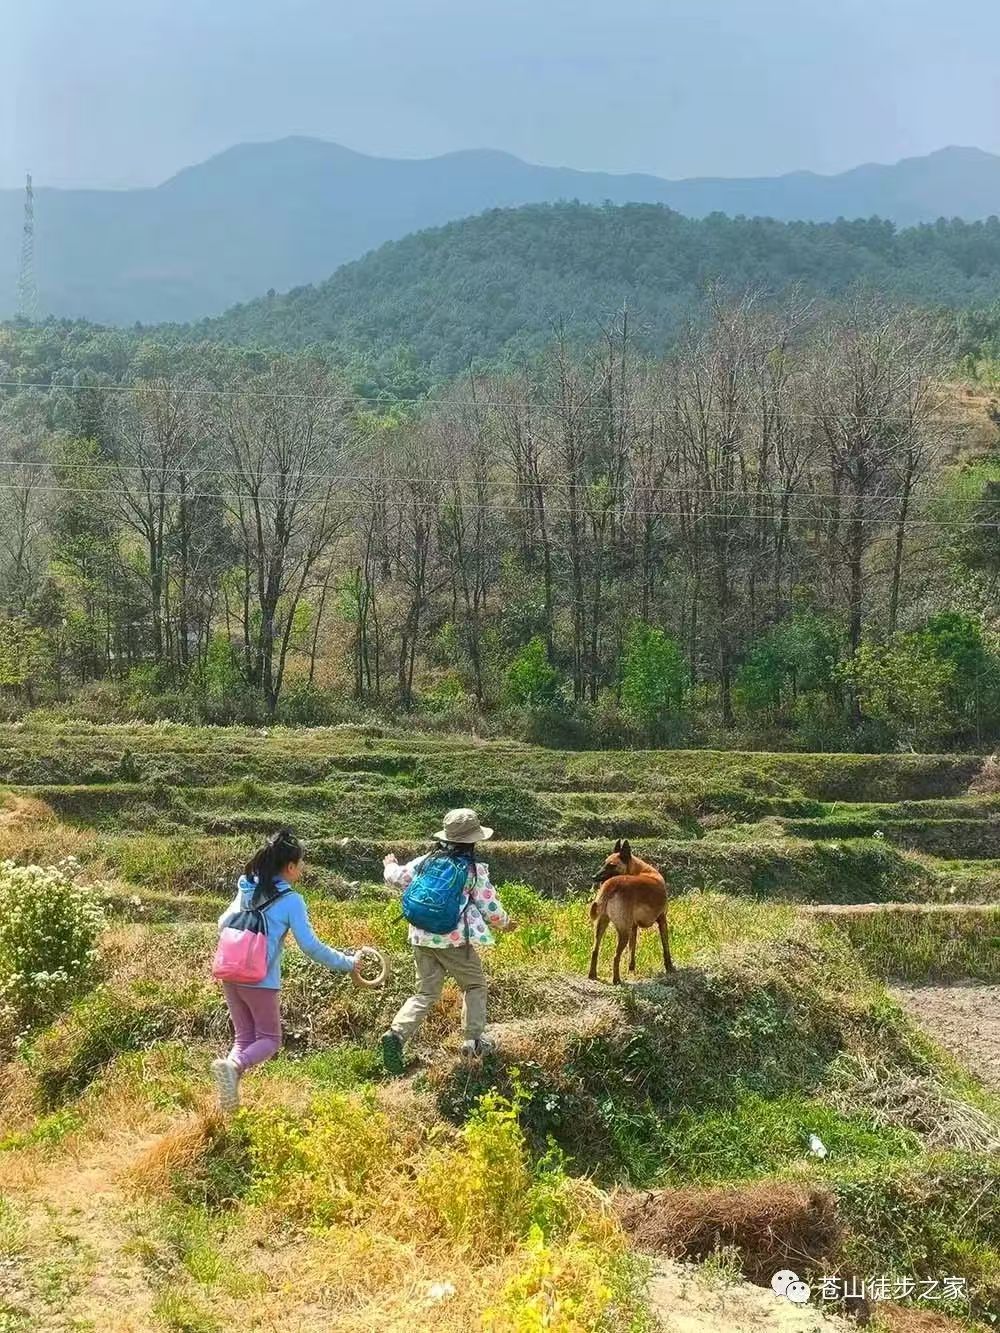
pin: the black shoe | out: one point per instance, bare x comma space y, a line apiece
392, 1054
474, 1048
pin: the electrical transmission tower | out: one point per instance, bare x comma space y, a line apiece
27, 291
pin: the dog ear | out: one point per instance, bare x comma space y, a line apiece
618, 845
626, 850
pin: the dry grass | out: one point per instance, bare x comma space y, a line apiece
24, 812
987, 780
912, 1101
42, 841
179, 1152
772, 1225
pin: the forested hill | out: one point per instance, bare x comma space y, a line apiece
263, 215
497, 284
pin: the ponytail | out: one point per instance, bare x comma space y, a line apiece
282, 850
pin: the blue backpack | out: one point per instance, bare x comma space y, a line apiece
432, 900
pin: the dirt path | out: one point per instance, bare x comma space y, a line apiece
76, 1265
684, 1302
964, 1018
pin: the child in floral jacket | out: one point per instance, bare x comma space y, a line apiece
449, 955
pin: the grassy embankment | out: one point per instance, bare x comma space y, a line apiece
775, 1027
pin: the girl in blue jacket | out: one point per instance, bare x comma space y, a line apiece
255, 1009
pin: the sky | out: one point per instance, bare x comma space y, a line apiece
117, 93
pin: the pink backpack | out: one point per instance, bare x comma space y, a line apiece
241, 954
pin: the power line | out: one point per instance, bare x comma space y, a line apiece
474, 506
472, 403
197, 472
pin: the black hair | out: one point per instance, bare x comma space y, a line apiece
467, 848
283, 849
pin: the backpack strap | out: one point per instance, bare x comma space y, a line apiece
473, 871
266, 903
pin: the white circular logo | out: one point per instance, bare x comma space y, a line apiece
781, 1280
797, 1292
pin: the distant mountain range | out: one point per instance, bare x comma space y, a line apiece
278, 215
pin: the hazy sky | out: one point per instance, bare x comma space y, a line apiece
124, 92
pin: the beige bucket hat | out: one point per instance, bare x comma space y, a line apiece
463, 826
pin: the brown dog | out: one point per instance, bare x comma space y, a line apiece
633, 894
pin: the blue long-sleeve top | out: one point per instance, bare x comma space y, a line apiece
287, 913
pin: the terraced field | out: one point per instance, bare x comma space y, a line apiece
801, 884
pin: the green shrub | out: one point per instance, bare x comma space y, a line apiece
307, 705
794, 663
937, 1217
564, 1289
486, 1193
49, 923
480, 1194
559, 726
68, 1056
654, 678
323, 1167
532, 681
216, 1179
905, 687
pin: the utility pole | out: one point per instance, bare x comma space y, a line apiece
27, 291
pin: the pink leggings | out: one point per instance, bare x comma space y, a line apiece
256, 1015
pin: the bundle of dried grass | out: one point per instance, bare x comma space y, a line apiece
916, 1102
771, 1225
180, 1152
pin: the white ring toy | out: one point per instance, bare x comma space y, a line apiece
372, 983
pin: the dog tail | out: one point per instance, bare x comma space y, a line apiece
599, 904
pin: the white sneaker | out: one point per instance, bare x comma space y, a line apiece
227, 1080
476, 1048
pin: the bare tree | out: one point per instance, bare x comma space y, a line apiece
519, 425
421, 461
871, 397
469, 532
27, 502
714, 400
155, 439
285, 438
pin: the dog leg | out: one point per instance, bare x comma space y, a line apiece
616, 975
661, 921
599, 929
631, 948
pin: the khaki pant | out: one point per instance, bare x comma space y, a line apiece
433, 966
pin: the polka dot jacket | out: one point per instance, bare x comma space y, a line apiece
484, 908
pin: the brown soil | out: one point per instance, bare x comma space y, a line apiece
902, 1319
773, 1226
964, 1019
684, 1302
